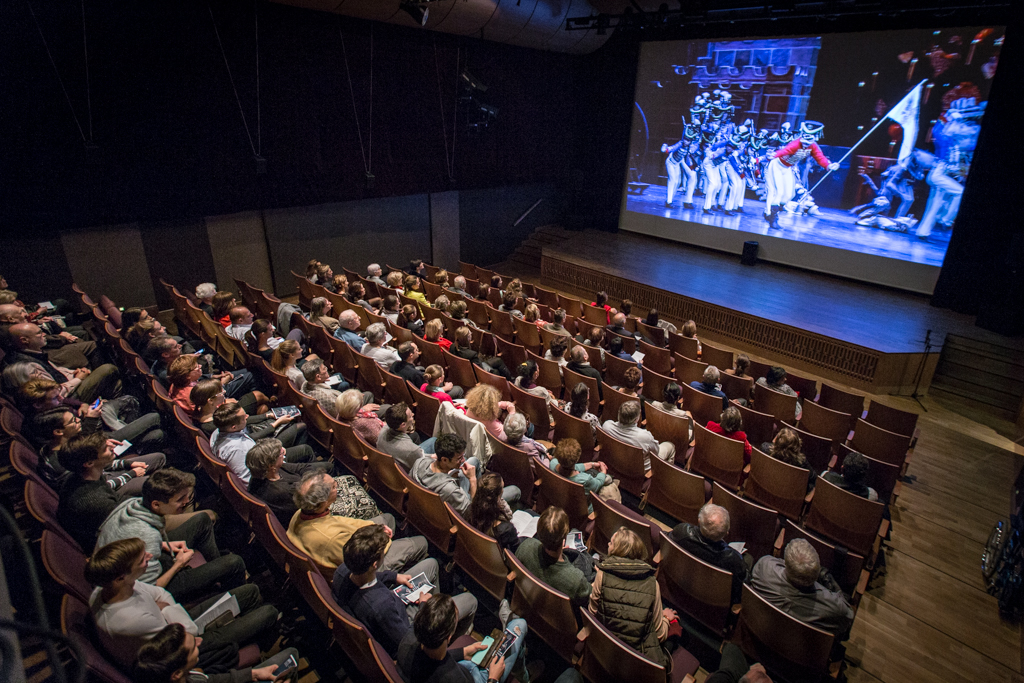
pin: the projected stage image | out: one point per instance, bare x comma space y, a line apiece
860, 142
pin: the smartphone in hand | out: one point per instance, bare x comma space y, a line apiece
286, 665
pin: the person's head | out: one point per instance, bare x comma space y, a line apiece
412, 283
483, 292
168, 657
528, 371
163, 348
855, 468
442, 303
184, 370
315, 492
626, 307
615, 346
516, 285
229, 417
356, 290
373, 270
433, 330
787, 447
531, 314
558, 316
349, 320
802, 563
434, 374
450, 449
558, 346
12, 313
579, 399
631, 378
627, 544
340, 283
496, 281
285, 355
27, 337
207, 392
713, 522
408, 351
459, 282
552, 527
52, 426
131, 316
508, 300
515, 427
17, 374
578, 354
39, 393
376, 334
619, 320
349, 403
222, 302
264, 458
324, 273
485, 508
319, 307
168, 491
567, 452
712, 376
139, 334
742, 364
775, 376
118, 561
394, 279
672, 393
400, 418
85, 452
463, 337
311, 267
482, 400
596, 336
314, 371
731, 420
205, 291
629, 413
365, 548
601, 299
441, 278
240, 315
457, 310
652, 317
689, 329
435, 622
417, 266
391, 303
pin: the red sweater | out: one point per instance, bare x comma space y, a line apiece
737, 435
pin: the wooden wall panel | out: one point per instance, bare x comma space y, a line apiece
239, 250
111, 260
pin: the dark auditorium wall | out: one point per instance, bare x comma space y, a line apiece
487, 233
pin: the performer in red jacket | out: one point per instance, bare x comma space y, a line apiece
780, 178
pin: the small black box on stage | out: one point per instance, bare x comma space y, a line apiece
749, 257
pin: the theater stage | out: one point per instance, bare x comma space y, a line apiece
861, 335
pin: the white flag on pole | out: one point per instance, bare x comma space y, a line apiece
906, 113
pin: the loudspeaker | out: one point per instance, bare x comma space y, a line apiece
749, 256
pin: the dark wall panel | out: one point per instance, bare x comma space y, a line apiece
486, 219
179, 252
35, 267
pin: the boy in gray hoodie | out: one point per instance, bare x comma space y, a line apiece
171, 567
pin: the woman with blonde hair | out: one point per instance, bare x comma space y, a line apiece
409, 318
689, 329
441, 278
394, 280
532, 315
319, 307
433, 331
340, 283
626, 598
365, 419
311, 269
286, 359
442, 303
484, 404
325, 276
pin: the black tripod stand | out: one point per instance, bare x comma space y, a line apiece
920, 371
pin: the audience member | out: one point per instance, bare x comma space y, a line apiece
316, 374
459, 286
853, 476
557, 324
594, 477
286, 360
740, 366
232, 439
238, 385
463, 348
734, 668
396, 440
689, 329
205, 292
730, 425
490, 514
409, 318
776, 381
222, 303
516, 426
556, 351
395, 280
601, 301
618, 325
390, 308
711, 386
348, 324
625, 429
579, 405
241, 320
27, 342
508, 304
434, 385
527, 375
706, 542
373, 273
787, 447
433, 332
579, 363
273, 480
365, 419
615, 349
654, 320
183, 375
451, 476
484, 404
384, 356
357, 295
544, 556
414, 290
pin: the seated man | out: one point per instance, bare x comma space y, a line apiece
557, 324
173, 656
232, 441
578, 363
424, 657
384, 356
396, 438
362, 588
63, 347
711, 385
316, 374
615, 349
406, 368
323, 536
373, 274
168, 492
706, 542
455, 489
27, 342
237, 385
459, 286
625, 429
618, 325
543, 556
348, 324
795, 585
273, 480
853, 476
128, 612
241, 320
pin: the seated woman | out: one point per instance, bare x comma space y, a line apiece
626, 598
183, 374
319, 307
139, 334
273, 480
433, 331
437, 387
526, 379
414, 289
579, 405
490, 514
532, 315
632, 378
208, 395
787, 447
365, 419
222, 303
556, 351
595, 339
730, 425
287, 359
340, 283
441, 278
482, 292
311, 269
409, 318
325, 277
689, 329
458, 312
442, 303
390, 308
565, 460
654, 320
484, 404
257, 339
516, 426
463, 348
516, 287
129, 317
740, 366
394, 280
601, 301
204, 296
776, 381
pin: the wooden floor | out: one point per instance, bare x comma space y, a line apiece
930, 619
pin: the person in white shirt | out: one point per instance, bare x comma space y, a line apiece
625, 429
384, 356
128, 612
241, 320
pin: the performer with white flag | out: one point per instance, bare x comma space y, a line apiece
780, 178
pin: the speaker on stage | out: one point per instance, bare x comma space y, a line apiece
749, 257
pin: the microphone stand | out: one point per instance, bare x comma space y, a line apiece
920, 371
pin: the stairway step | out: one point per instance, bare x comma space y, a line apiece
1010, 355
972, 390
940, 394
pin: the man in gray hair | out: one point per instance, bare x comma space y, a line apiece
707, 541
798, 586
348, 326
373, 273
323, 536
384, 356
459, 286
710, 385
626, 429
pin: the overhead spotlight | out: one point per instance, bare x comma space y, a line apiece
418, 14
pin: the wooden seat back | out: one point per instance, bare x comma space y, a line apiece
684, 346
564, 493
628, 341
569, 427
343, 359
841, 401
427, 513
817, 449
720, 358
717, 457
550, 376
426, 410
825, 422
460, 371
478, 312
883, 477
348, 448
654, 334
748, 522
844, 517
654, 383
573, 307
215, 469
318, 423
383, 478
514, 465
703, 407
879, 443
534, 407
674, 491
496, 381
501, 324
776, 485
613, 400
65, 563
699, 590
892, 419
609, 517
595, 315
737, 387
673, 428
396, 390
775, 403
615, 369
656, 358
606, 658
759, 427
625, 462
359, 646
512, 354
548, 612
479, 556
571, 379
805, 387
527, 334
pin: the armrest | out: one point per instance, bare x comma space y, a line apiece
746, 469
833, 461
883, 528
657, 557
809, 497
511, 577
583, 634
780, 539
592, 516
